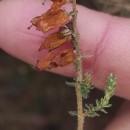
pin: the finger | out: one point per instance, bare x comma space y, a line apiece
103, 36
122, 120
15, 38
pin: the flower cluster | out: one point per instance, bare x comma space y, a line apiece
55, 17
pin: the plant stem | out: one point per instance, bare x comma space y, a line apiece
78, 66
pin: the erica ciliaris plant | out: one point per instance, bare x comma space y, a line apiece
55, 17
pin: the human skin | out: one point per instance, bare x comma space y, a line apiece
104, 36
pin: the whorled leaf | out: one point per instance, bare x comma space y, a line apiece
86, 86
85, 91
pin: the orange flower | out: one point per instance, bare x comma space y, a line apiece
46, 62
53, 41
67, 57
56, 59
55, 17
56, 6
47, 21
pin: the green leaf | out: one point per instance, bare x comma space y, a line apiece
97, 102
71, 84
73, 113
87, 106
85, 91
108, 105
104, 111
95, 114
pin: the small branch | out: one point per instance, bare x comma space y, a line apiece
78, 66
91, 110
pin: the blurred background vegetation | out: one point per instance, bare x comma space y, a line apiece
32, 100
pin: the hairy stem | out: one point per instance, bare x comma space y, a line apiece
78, 66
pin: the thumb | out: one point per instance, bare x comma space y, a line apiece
103, 36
